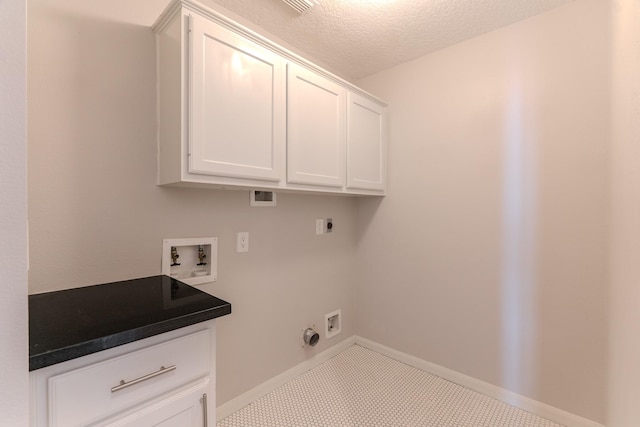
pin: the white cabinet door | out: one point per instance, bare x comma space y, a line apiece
316, 129
237, 105
184, 409
366, 144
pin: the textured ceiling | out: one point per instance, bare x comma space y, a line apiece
357, 38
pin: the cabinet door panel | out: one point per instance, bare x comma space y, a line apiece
366, 144
237, 108
316, 129
182, 409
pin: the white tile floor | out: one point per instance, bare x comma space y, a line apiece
362, 388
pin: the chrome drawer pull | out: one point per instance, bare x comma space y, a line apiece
123, 384
203, 399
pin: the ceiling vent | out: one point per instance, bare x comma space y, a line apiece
301, 5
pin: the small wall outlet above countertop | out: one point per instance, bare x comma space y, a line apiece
68, 324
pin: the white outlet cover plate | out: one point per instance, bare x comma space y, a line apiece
243, 242
319, 226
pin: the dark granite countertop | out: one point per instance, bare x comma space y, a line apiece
67, 324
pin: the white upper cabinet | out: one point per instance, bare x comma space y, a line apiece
316, 129
236, 110
366, 144
236, 105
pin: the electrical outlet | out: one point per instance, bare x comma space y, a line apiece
243, 242
319, 226
328, 225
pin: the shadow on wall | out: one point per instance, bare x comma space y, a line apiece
92, 140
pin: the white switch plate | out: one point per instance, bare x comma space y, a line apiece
243, 241
319, 226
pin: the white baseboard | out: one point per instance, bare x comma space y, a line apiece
527, 404
268, 386
538, 408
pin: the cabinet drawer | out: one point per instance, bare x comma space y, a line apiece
86, 395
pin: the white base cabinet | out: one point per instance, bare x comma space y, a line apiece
238, 111
166, 380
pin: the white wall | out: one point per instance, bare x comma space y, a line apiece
14, 393
624, 307
96, 214
488, 256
